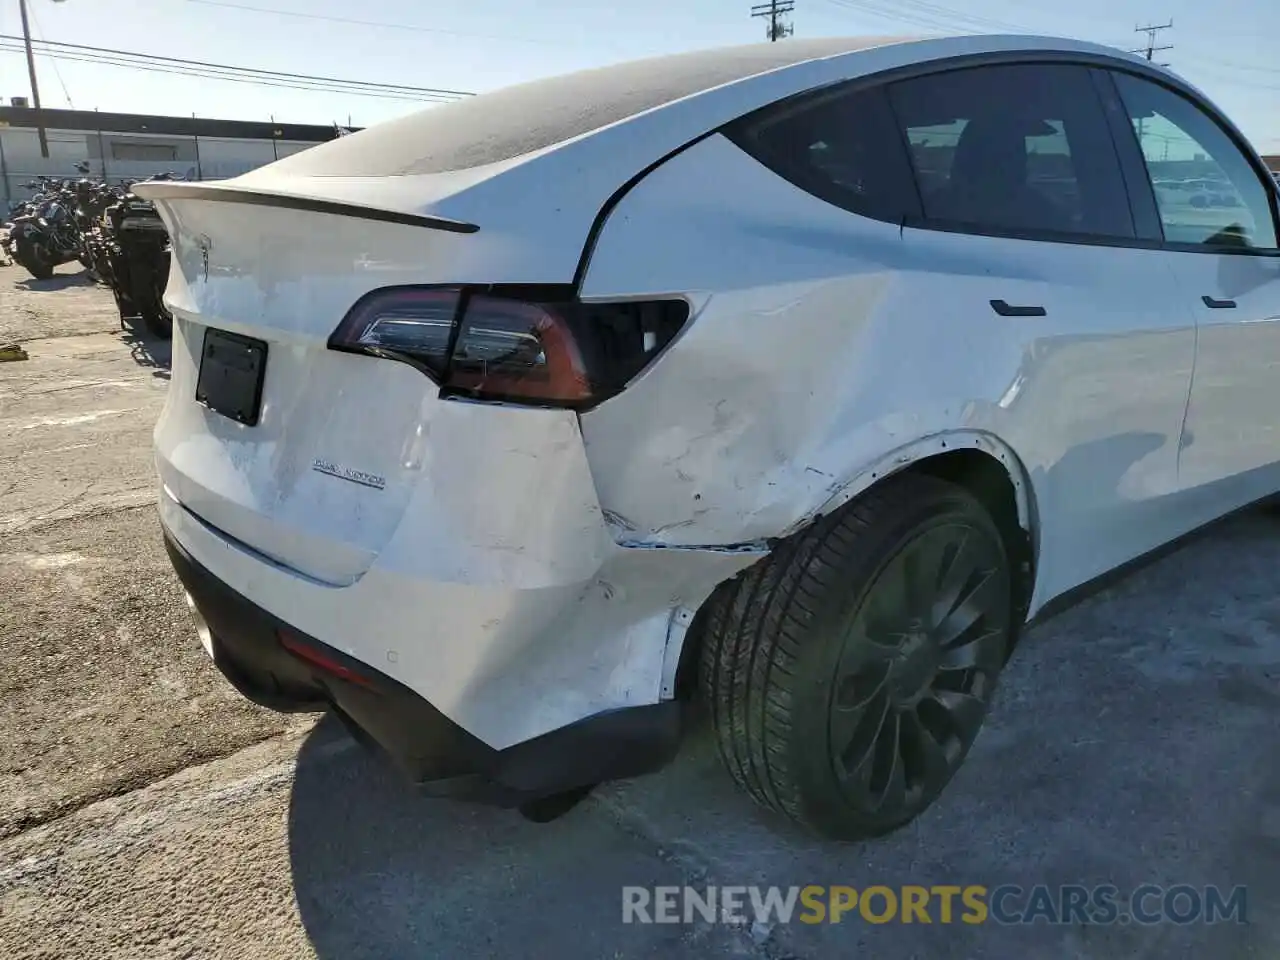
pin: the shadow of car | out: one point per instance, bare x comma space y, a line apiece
381, 872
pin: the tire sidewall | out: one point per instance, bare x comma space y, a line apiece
159, 323
822, 798
28, 254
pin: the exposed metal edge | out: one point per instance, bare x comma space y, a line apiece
677, 627
760, 547
169, 190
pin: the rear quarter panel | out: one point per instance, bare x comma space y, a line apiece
774, 395
827, 350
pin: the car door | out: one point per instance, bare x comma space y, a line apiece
1029, 238
1221, 245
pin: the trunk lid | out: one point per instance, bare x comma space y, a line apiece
320, 482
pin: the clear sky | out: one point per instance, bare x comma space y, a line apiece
1226, 47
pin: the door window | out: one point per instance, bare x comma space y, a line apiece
1021, 148
1207, 191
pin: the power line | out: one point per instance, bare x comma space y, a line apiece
352, 21
212, 75
926, 8
204, 74
228, 71
1251, 84
1234, 65
774, 10
899, 14
253, 71
873, 11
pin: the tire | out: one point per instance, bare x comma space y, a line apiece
801, 653
36, 264
148, 295
124, 306
158, 323
157, 320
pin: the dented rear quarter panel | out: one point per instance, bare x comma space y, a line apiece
828, 350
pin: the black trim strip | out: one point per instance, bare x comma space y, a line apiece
168, 190
1133, 171
1082, 239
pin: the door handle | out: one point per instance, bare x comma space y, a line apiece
1008, 310
1218, 304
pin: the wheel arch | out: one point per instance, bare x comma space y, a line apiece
980, 462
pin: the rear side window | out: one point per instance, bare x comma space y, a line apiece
1022, 148
843, 148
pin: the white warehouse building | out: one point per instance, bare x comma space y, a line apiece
127, 146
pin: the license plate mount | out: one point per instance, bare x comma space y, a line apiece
232, 371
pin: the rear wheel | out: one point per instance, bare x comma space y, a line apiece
159, 322
35, 259
148, 280
849, 673
122, 307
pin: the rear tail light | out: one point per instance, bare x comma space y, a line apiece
522, 344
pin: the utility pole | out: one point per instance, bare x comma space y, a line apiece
35, 87
774, 10
1150, 50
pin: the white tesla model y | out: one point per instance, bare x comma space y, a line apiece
791, 378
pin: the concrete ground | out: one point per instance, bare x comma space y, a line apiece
146, 811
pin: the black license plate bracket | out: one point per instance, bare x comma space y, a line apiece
232, 371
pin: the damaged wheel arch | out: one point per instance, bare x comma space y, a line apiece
979, 462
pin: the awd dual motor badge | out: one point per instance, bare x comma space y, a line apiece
346, 473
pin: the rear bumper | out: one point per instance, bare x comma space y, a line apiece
508, 649
446, 760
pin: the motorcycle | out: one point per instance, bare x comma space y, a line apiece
117, 236
92, 200
138, 263
45, 234
97, 240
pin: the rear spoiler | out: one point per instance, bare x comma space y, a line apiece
180, 190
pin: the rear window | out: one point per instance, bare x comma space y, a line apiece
517, 120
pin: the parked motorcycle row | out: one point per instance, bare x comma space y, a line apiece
117, 236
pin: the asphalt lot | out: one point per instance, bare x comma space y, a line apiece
146, 811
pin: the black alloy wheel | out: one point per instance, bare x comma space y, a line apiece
849, 673
920, 657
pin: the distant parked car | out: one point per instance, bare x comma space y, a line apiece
507, 428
